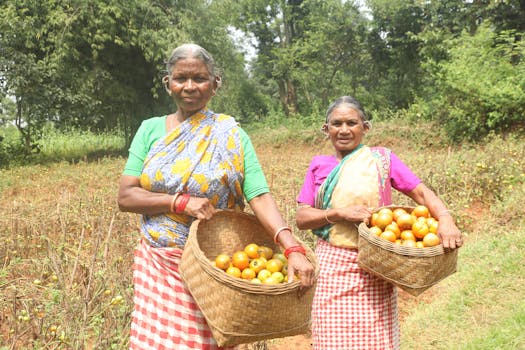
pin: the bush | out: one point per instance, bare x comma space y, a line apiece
481, 87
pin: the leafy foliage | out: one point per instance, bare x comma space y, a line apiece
480, 89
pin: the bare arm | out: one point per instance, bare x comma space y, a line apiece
447, 230
268, 214
308, 218
133, 198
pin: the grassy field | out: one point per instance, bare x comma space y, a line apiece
66, 250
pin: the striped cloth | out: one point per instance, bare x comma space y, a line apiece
166, 316
351, 309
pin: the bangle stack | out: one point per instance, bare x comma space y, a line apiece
184, 199
276, 235
294, 249
173, 200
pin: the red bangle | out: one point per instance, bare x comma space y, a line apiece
294, 249
184, 199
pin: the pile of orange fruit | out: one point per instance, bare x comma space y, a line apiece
255, 263
415, 228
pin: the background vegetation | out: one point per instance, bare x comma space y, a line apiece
96, 65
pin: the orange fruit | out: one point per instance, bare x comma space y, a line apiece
397, 212
394, 228
432, 225
265, 252
431, 240
384, 219
234, 271
223, 261
240, 259
281, 257
388, 235
373, 219
407, 235
274, 265
405, 221
386, 211
263, 275
419, 244
420, 229
409, 243
421, 211
279, 277
248, 274
375, 230
252, 250
257, 265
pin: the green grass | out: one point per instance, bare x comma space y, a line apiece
66, 250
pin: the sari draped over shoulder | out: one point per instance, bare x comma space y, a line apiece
361, 178
203, 157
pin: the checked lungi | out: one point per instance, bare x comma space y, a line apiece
351, 308
166, 316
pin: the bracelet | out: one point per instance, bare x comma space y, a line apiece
294, 249
173, 200
326, 217
276, 235
184, 199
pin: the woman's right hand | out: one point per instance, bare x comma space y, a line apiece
200, 208
354, 213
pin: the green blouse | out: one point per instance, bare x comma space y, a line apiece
154, 128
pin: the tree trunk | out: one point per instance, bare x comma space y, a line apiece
24, 131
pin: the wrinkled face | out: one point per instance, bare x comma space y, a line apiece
191, 85
346, 129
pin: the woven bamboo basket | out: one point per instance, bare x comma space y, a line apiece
412, 269
236, 310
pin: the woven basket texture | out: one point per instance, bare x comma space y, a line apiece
412, 269
236, 310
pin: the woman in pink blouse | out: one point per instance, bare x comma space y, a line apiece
353, 309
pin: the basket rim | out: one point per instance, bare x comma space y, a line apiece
238, 283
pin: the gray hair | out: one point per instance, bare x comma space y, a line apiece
351, 102
193, 51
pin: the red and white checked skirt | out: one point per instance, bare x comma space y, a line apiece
351, 308
166, 316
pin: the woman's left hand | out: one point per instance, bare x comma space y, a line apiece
200, 208
300, 265
449, 233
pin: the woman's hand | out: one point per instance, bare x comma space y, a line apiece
449, 233
200, 208
354, 213
300, 265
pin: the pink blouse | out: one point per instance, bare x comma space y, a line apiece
401, 177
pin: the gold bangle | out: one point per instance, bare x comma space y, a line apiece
326, 217
174, 199
276, 235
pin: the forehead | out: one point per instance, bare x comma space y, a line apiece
190, 65
344, 112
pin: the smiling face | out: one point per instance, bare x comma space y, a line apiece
346, 129
191, 85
